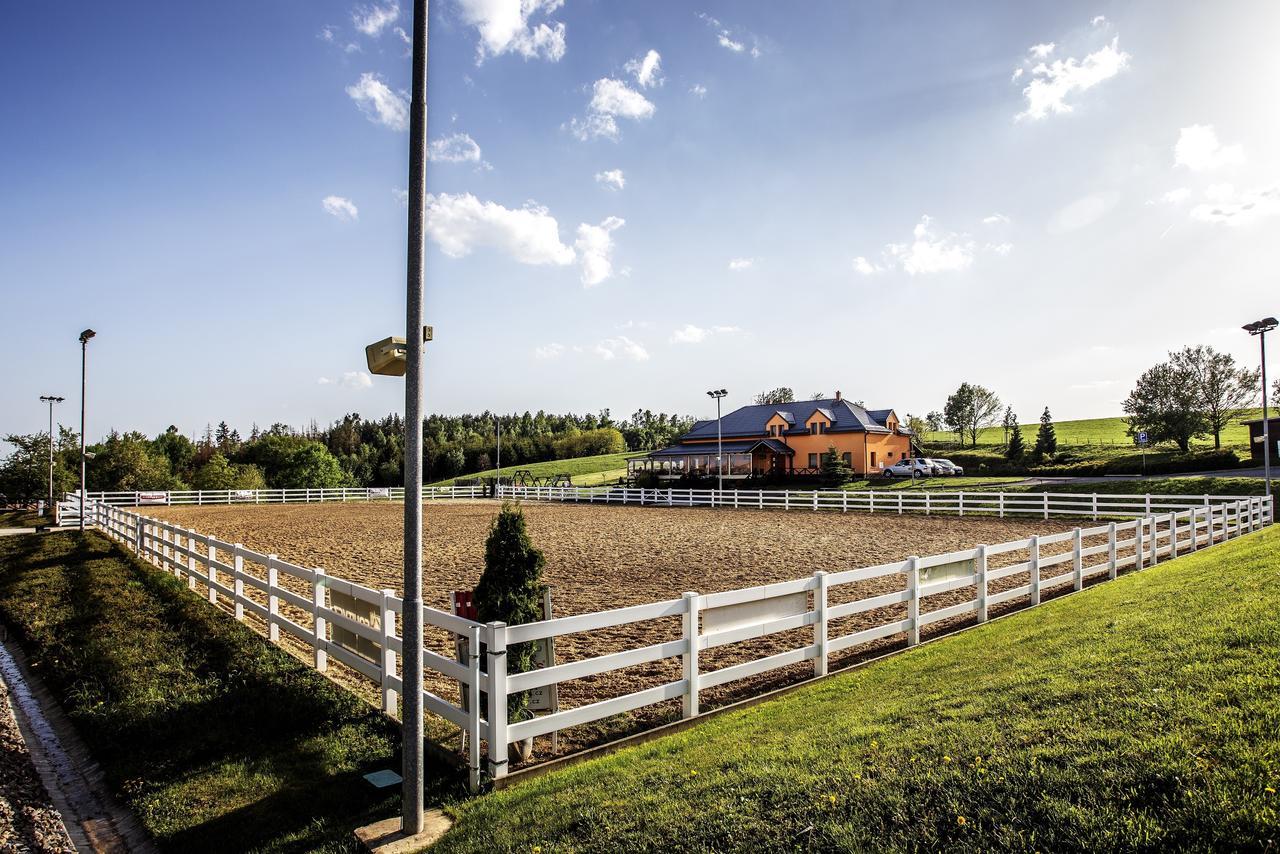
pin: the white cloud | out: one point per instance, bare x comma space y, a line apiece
929, 253
457, 148
548, 351
327, 34
1176, 196
690, 334
350, 379
1017, 73
698, 90
1042, 51
999, 248
728, 40
647, 69
611, 178
1082, 212
621, 347
1098, 20
461, 223
595, 244
610, 99
372, 20
738, 265
404, 37
1231, 208
504, 27
377, 101
401, 195
340, 208
865, 267
1199, 150
995, 219
1051, 84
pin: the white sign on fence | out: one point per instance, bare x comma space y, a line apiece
153, 498
362, 612
245, 494
948, 571
379, 493
727, 617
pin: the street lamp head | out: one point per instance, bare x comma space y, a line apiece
49, 398
86, 335
717, 393
1260, 326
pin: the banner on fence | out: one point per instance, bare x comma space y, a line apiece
727, 617
948, 571
379, 493
153, 498
244, 494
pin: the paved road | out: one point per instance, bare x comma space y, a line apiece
13, 532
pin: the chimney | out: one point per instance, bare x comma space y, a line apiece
837, 394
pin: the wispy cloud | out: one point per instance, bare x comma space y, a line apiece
995, 219
690, 334
611, 178
1053, 83
621, 347
379, 103
731, 39
457, 148
339, 207
647, 69
739, 265
372, 20
548, 351
461, 223
1231, 207
350, 379
1199, 150
698, 90
595, 246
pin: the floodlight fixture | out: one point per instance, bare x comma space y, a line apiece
390, 356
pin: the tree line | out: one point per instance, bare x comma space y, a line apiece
350, 452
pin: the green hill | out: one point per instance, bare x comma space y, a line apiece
585, 471
1091, 431
1139, 714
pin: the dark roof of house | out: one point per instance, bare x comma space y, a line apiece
1273, 419
735, 447
844, 415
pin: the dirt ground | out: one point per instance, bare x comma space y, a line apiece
601, 557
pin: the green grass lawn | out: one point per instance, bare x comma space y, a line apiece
1094, 431
1185, 485
20, 519
216, 740
1140, 715
585, 471
942, 484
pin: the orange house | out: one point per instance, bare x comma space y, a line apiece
784, 439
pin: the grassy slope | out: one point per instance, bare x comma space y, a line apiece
943, 484
1094, 431
217, 740
1139, 715
585, 471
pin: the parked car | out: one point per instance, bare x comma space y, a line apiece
947, 467
914, 467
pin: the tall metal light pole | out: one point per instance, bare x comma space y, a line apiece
1260, 328
497, 425
718, 394
51, 400
414, 727
84, 360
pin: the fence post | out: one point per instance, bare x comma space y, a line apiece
913, 600
1209, 514
1095, 507
926, 503
1194, 516
140, 536
237, 563
691, 672
820, 623
497, 700
786, 499
960, 502
191, 560
1034, 561
1046, 505
473, 708
1138, 526
319, 623
815, 499
388, 617
1173, 534
1077, 560
213, 573
1111, 550
1155, 541
1002, 505
844, 501
899, 503
273, 601
980, 569
1148, 510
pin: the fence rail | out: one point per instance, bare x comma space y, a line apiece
1043, 504
277, 496
356, 625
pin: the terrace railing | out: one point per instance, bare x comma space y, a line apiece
314, 608
1002, 504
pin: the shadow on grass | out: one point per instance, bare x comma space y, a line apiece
216, 739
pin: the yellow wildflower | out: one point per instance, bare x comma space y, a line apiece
960, 820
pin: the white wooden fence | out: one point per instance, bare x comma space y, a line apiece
281, 597
278, 496
1001, 504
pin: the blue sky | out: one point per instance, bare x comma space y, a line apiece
884, 198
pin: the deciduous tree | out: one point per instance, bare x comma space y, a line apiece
1226, 390
1166, 403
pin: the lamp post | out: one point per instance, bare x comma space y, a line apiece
84, 360
51, 400
402, 357
1260, 328
718, 394
497, 425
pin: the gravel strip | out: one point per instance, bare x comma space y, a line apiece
28, 820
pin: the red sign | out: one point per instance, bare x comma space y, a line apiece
464, 604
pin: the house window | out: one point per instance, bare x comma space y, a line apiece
873, 459
813, 461
848, 458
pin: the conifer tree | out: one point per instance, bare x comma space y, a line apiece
1017, 446
1046, 439
835, 470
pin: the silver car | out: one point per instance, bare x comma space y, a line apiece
946, 467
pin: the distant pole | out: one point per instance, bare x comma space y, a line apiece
84, 359
51, 400
414, 725
497, 422
1260, 328
718, 394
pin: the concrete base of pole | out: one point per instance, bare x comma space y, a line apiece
385, 837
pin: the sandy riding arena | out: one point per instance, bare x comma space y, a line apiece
601, 557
